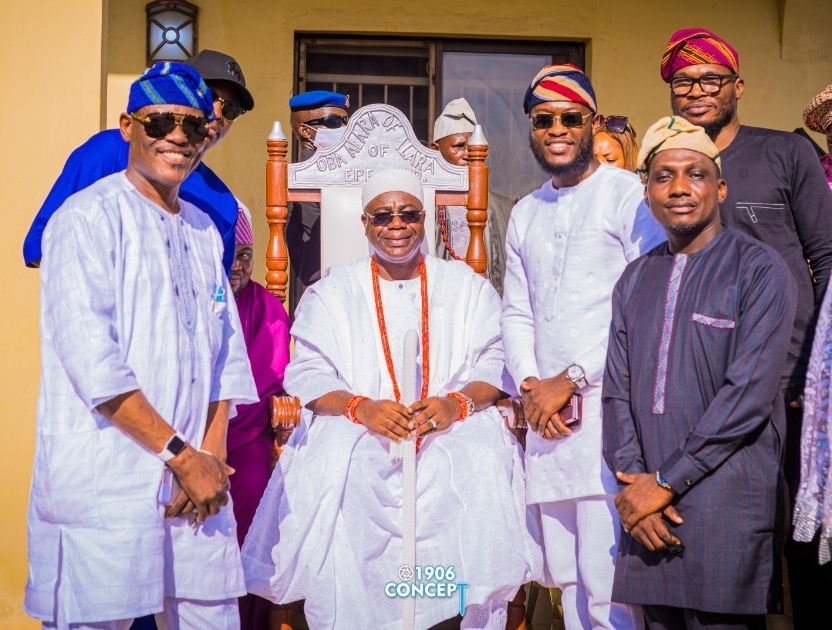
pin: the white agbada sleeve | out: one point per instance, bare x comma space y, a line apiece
517, 320
78, 288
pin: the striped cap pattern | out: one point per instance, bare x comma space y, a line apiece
243, 234
171, 83
563, 82
695, 46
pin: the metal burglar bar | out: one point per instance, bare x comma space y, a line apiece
420, 76
396, 73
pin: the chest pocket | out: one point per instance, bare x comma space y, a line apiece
758, 214
713, 322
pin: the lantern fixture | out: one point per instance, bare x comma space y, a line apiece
171, 30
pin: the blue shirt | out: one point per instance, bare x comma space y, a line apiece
106, 153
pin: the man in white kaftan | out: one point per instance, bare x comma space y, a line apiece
567, 244
329, 529
135, 302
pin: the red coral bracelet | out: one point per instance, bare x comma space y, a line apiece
466, 404
352, 405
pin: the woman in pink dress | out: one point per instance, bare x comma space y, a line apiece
250, 433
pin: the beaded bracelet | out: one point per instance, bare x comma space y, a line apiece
466, 404
352, 405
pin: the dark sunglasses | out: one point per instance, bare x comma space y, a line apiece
383, 219
709, 84
333, 121
616, 124
159, 125
231, 110
570, 120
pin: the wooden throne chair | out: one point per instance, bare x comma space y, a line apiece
377, 137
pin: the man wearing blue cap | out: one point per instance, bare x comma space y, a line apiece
105, 153
143, 363
318, 120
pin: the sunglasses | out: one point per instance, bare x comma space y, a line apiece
159, 125
333, 121
383, 219
709, 84
570, 120
616, 124
231, 110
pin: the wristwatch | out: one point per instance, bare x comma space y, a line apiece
175, 445
575, 373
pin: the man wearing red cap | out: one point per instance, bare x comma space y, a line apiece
778, 194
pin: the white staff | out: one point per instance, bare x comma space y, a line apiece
408, 454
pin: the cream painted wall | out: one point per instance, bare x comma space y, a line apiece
62, 82
785, 58
626, 41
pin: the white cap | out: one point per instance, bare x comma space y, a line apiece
392, 180
457, 117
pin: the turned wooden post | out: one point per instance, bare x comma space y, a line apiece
277, 212
477, 254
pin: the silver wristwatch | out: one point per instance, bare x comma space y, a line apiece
575, 373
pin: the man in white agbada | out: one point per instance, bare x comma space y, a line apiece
567, 244
329, 529
143, 363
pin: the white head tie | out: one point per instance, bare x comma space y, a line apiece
457, 117
392, 180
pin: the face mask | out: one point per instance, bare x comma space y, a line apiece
325, 138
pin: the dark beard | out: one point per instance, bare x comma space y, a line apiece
713, 128
578, 166
686, 228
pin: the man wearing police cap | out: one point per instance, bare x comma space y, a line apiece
318, 119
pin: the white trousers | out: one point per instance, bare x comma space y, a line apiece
178, 614
580, 539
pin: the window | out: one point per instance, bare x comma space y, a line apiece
420, 76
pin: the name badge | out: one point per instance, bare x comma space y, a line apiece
219, 298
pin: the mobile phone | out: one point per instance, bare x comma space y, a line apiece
169, 488
572, 412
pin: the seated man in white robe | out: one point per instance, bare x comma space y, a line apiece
143, 363
329, 529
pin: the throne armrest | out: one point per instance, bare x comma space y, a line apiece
285, 414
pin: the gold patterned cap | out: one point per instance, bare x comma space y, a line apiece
818, 113
674, 132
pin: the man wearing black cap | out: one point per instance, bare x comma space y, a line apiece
228, 85
105, 153
318, 119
